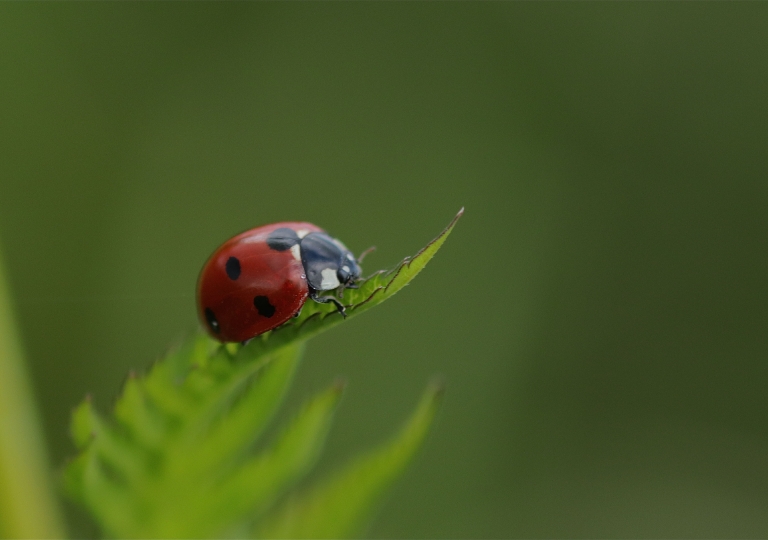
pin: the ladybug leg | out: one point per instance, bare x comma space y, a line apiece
364, 253
344, 286
329, 299
340, 290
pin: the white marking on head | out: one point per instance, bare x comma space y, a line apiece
301, 233
330, 280
296, 252
345, 268
350, 256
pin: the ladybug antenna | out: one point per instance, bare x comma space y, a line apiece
364, 253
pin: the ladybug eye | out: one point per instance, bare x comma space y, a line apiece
343, 274
233, 268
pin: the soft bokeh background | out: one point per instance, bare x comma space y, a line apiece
599, 313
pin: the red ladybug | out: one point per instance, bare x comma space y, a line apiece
261, 278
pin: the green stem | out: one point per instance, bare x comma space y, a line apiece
28, 507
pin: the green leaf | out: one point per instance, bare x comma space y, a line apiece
340, 506
174, 440
372, 291
256, 484
28, 507
84, 423
176, 456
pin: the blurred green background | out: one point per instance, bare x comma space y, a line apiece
599, 313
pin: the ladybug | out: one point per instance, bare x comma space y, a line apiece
261, 278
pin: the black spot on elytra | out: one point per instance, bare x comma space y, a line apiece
282, 239
212, 322
233, 268
263, 306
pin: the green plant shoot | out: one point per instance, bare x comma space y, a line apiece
177, 456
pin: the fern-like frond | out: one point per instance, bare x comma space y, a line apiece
176, 457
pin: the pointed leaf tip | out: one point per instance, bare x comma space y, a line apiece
83, 424
339, 384
437, 387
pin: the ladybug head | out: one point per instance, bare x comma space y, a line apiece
349, 270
